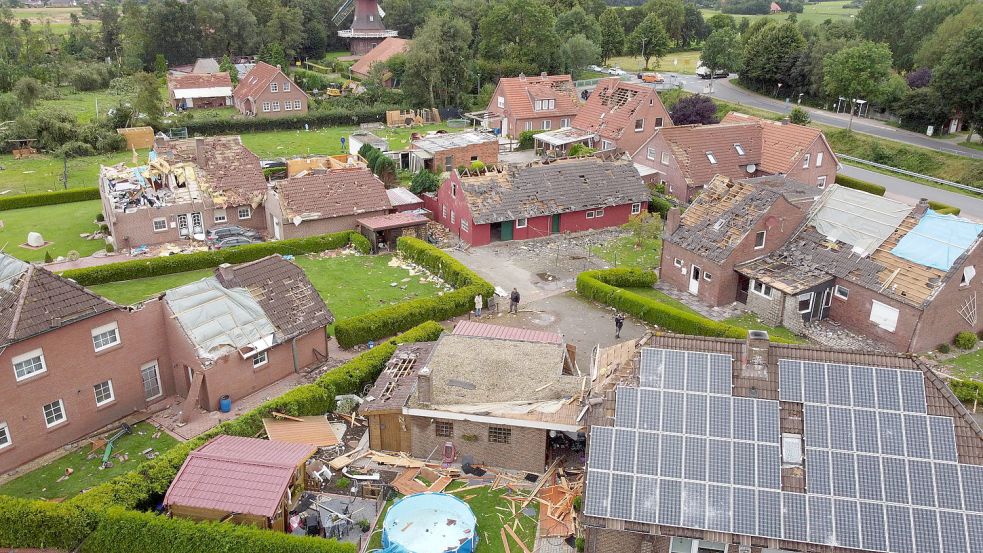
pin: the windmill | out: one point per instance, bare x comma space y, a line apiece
367, 29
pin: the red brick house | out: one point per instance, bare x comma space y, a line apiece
324, 201
685, 158
730, 223
199, 90
516, 203
522, 103
445, 151
380, 54
266, 91
617, 116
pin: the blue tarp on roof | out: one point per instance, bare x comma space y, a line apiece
937, 240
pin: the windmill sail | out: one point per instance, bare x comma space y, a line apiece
344, 11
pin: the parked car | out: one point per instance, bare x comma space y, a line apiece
234, 241
217, 234
704, 73
596, 68
617, 71
652, 78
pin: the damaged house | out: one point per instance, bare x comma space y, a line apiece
685, 158
323, 201
428, 402
199, 90
730, 223
716, 445
439, 153
902, 276
522, 103
186, 187
540, 199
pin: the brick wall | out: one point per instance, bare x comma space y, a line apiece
293, 95
811, 174
486, 152
854, 314
941, 320
616, 215
768, 310
526, 452
604, 540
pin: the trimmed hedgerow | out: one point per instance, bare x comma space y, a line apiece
607, 286
122, 531
393, 319
156, 266
967, 390
314, 119
49, 198
360, 243
41, 524
858, 184
943, 209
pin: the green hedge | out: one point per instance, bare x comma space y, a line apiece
156, 266
313, 119
122, 531
527, 139
607, 286
858, 184
393, 319
41, 524
49, 198
967, 391
943, 209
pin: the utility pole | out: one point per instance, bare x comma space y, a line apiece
643, 53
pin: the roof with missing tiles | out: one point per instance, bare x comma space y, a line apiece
612, 106
334, 193
232, 171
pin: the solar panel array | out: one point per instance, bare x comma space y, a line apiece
881, 474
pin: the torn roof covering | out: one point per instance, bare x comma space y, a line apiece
447, 141
938, 240
558, 187
234, 175
398, 380
858, 218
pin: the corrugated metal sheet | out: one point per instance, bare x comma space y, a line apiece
469, 328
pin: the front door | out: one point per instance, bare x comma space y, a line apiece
556, 224
505, 126
507, 227
182, 225
827, 300
743, 285
694, 279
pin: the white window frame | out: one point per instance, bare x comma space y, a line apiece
565, 122
5, 439
528, 125
805, 161
464, 225
288, 106
56, 422
112, 394
550, 104
266, 107
248, 210
220, 216
521, 222
453, 218
639, 125
501, 101
160, 220
841, 292
274, 87
286, 86
821, 182
764, 238
297, 105
665, 158
658, 120
884, 316
160, 387
677, 262
276, 105
739, 148
812, 298
538, 105
707, 276
650, 153
598, 213
636, 208
261, 358
105, 329
547, 124
969, 273
819, 159
37, 353
765, 291
443, 211
590, 214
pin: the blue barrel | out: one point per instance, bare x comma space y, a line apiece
225, 404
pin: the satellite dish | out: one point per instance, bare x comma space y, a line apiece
751, 168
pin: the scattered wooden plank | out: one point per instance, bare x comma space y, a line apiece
505, 541
517, 540
466, 488
280, 415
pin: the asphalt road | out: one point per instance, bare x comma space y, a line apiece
910, 192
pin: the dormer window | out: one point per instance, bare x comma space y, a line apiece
740, 149
713, 160
542, 105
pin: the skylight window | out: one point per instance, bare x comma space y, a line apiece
740, 149
712, 159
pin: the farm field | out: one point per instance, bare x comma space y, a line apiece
58, 18
675, 62
815, 12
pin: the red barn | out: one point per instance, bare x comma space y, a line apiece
520, 202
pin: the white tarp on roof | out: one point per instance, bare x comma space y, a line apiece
857, 218
218, 319
10, 269
213, 92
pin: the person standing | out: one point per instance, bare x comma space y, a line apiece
514, 302
619, 321
477, 305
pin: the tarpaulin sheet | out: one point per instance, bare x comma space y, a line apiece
859, 219
937, 240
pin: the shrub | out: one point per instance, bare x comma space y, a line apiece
580, 543
858, 184
942, 208
660, 205
49, 198
140, 268
799, 116
424, 181
343, 483
25, 523
100, 217
313, 119
47, 257
578, 150
694, 110
944, 348
965, 340
110, 248
385, 168
477, 166
526, 139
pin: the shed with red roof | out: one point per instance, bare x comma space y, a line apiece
242, 480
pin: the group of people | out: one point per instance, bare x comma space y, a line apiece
514, 297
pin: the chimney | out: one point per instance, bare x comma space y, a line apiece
200, 150
756, 354
225, 272
672, 220
921, 207
423, 386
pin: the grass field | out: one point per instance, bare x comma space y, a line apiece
59, 224
82, 104
43, 173
814, 12
750, 321
322, 141
969, 365
42, 483
622, 252
128, 292
676, 62
58, 18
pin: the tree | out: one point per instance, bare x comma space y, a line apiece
170, 29
721, 21
28, 90
671, 13
133, 37
438, 62
578, 22
286, 28
405, 16
160, 65
721, 51
227, 66
148, 102
424, 181
232, 27
649, 39
612, 34
770, 54
385, 169
884, 20
109, 27
933, 48
273, 54
694, 27
921, 108
959, 77
798, 116
694, 110
919, 78
644, 227
578, 52
857, 73
921, 25
520, 31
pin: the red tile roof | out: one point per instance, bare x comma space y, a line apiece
381, 53
689, 144
393, 220
237, 475
335, 193
230, 167
199, 80
258, 80
612, 107
782, 143
521, 93
482, 330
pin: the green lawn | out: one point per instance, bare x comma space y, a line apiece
750, 321
623, 252
662, 298
43, 173
675, 62
814, 12
322, 141
969, 365
59, 224
83, 104
42, 483
128, 292
58, 18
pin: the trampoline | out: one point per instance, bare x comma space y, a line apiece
429, 523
